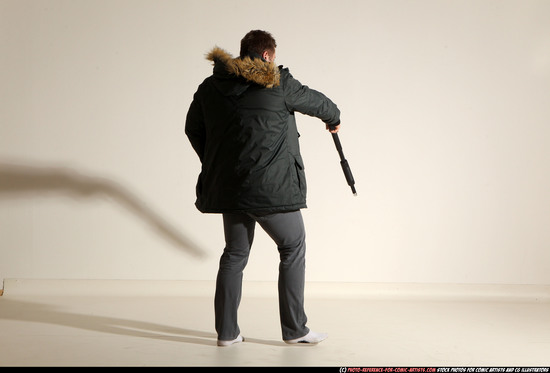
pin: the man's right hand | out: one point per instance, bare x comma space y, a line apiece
333, 129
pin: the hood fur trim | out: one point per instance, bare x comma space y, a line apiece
252, 69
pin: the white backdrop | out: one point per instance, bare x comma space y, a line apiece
445, 123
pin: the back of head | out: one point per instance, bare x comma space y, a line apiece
256, 42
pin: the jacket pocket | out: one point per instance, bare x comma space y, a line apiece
300, 175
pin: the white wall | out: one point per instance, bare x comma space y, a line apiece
445, 110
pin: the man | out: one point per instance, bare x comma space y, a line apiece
242, 126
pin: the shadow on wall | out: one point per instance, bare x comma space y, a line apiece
18, 180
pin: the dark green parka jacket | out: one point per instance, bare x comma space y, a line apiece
242, 126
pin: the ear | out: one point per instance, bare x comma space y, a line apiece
266, 56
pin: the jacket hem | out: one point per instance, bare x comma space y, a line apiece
272, 209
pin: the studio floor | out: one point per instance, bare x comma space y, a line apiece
364, 331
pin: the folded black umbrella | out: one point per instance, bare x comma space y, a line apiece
344, 163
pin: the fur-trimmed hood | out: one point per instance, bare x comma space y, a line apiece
255, 70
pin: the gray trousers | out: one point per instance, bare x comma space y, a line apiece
288, 232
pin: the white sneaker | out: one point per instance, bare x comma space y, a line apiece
310, 337
239, 339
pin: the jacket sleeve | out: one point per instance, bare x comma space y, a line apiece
194, 126
308, 101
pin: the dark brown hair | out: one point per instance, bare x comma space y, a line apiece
256, 42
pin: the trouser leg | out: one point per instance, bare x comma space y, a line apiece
288, 232
239, 234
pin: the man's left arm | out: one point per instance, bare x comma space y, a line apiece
194, 127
